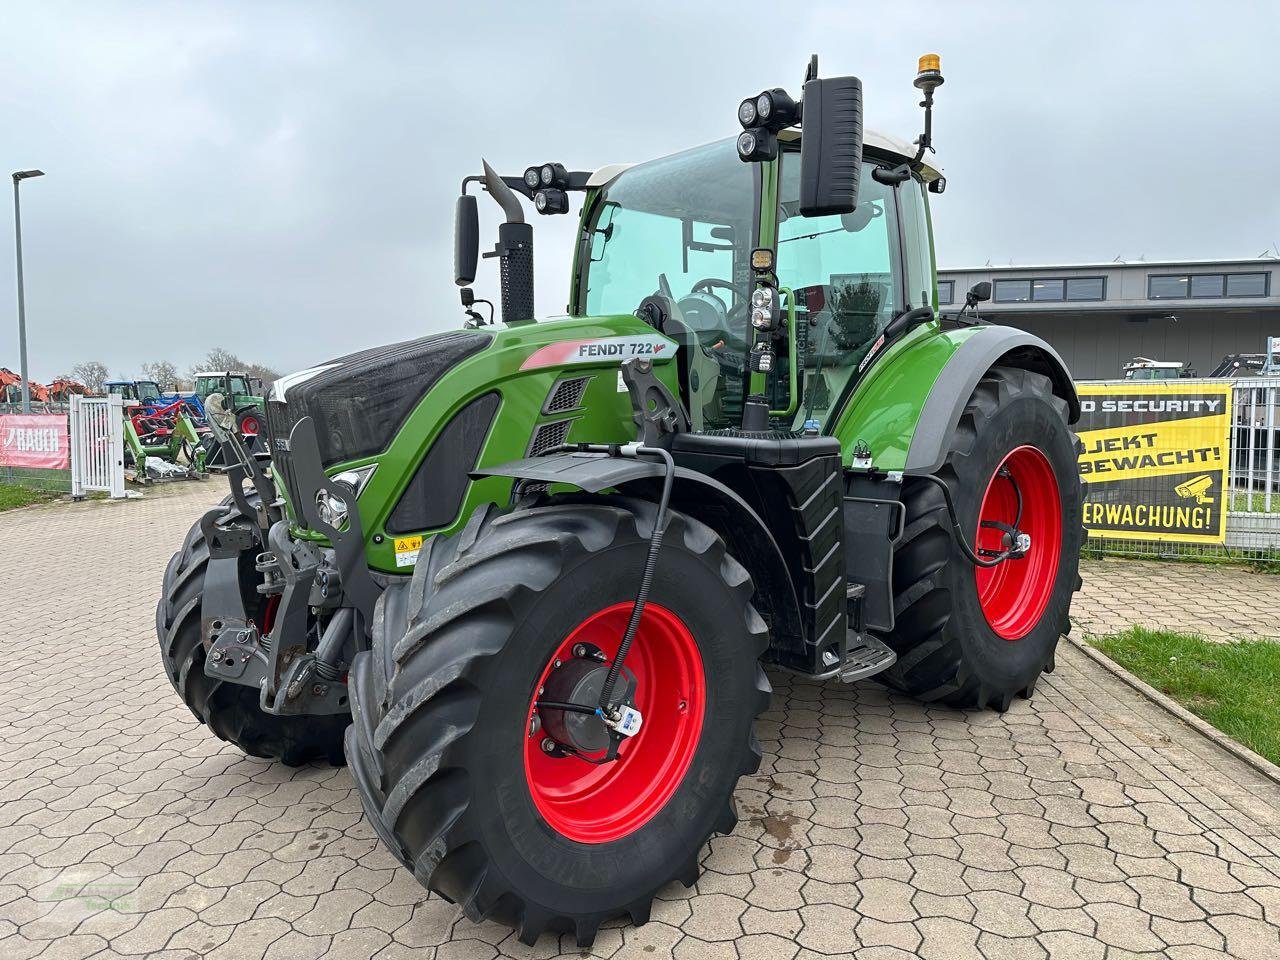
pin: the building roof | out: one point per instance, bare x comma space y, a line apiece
1116, 265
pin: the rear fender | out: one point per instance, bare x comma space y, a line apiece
987, 348
907, 406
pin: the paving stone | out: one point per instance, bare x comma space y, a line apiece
1082, 823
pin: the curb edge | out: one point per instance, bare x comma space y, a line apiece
1172, 707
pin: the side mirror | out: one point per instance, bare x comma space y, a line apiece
466, 240
980, 292
831, 146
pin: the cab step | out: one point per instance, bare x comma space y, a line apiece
865, 656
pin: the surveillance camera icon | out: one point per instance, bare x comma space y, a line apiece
1196, 488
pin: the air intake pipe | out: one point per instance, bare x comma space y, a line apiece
514, 251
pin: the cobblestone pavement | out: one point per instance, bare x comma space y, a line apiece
1084, 823
1218, 601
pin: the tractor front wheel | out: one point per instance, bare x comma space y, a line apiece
231, 711
512, 807
971, 635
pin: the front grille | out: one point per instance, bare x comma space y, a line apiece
360, 402
435, 494
566, 395
549, 435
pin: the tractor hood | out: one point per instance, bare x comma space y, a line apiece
359, 401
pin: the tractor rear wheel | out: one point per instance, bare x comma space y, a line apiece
249, 422
974, 636
497, 801
231, 710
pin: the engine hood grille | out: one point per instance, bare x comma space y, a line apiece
359, 402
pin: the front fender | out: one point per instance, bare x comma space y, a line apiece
702, 497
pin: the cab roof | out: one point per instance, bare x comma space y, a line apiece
884, 142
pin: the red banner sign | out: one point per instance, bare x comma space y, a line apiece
39, 441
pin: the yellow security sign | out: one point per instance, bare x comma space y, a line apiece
1155, 457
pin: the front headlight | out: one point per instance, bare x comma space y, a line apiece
334, 511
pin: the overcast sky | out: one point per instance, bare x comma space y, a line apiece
278, 178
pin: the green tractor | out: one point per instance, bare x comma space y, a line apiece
532, 572
242, 395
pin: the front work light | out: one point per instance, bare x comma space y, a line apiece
776, 109
532, 177
554, 175
764, 308
747, 113
758, 143
551, 201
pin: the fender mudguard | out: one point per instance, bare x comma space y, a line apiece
986, 348
701, 497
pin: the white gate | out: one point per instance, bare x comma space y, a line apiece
97, 445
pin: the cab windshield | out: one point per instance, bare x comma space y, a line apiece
682, 226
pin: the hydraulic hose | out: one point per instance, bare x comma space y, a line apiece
967, 550
646, 578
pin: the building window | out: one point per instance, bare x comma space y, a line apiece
1012, 291
1209, 285
1161, 288
1246, 285
1206, 285
1046, 289
1086, 288
946, 292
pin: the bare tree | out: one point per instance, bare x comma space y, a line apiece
262, 372
92, 373
218, 359
163, 373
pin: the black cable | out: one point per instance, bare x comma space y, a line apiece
955, 527
567, 707
646, 579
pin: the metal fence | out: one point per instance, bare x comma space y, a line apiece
1253, 483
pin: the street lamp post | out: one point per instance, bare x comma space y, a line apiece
18, 177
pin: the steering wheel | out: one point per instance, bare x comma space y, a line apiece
714, 283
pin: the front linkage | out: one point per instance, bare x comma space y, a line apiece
325, 594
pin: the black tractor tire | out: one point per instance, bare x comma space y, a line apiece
231, 710
948, 650
441, 709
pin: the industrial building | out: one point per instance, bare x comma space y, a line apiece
1101, 315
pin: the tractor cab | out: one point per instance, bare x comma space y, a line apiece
228, 383
127, 390
684, 228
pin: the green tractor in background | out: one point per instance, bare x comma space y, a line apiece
532, 572
242, 395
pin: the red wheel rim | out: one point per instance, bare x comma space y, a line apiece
1015, 593
249, 426
593, 803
